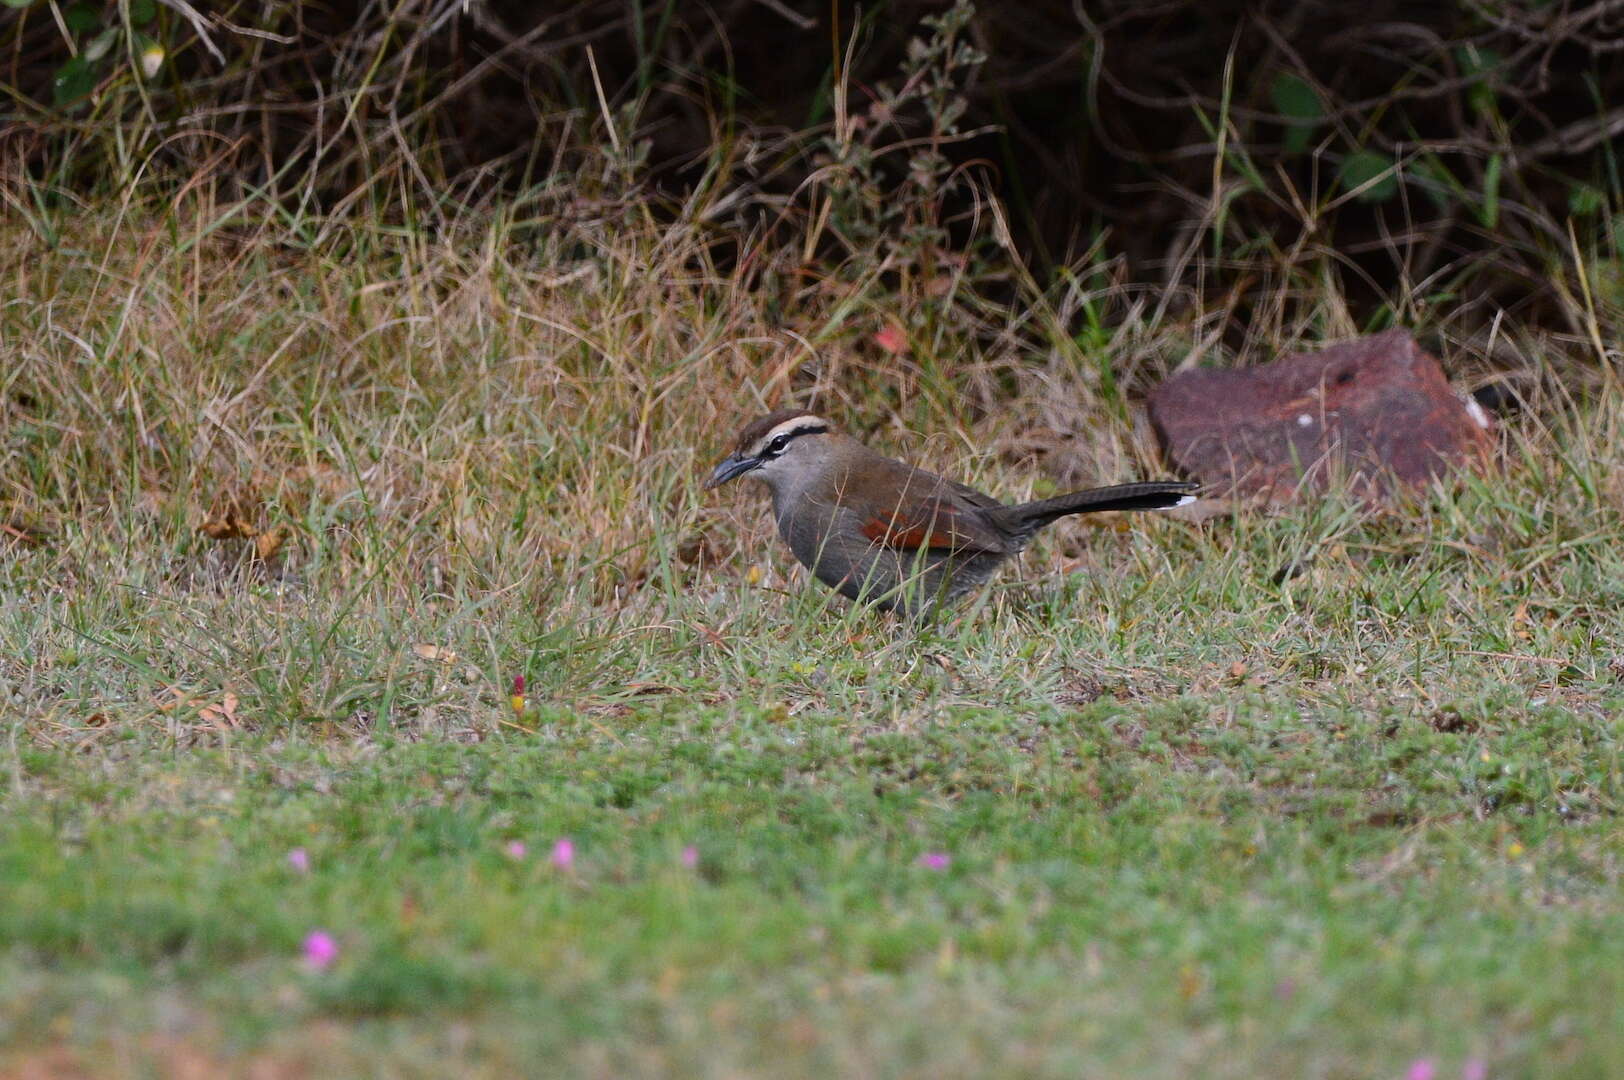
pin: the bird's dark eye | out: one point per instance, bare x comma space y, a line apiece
778, 444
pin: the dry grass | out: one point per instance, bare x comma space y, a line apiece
439, 458
511, 417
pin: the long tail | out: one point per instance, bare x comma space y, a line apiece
1155, 495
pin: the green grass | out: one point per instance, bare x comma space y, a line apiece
1200, 822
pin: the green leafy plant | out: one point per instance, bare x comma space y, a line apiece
878, 209
95, 37
1373, 176
1300, 103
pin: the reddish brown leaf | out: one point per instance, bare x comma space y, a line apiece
891, 338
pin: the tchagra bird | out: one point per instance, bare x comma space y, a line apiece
881, 531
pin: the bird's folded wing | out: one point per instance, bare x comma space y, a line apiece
935, 523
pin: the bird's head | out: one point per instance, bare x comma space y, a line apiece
774, 447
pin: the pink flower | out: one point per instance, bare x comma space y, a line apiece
935, 860
690, 856
515, 849
563, 855
320, 950
299, 859
1421, 1069
1474, 1069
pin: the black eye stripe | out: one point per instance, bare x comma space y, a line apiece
778, 443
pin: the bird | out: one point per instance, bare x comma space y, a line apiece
882, 532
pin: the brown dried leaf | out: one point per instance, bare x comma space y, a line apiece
1519, 620
269, 542
173, 697
651, 688
437, 653
22, 533
230, 526
1190, 982
223, 714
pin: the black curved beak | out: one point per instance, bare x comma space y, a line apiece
734, 465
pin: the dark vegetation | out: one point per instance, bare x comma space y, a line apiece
1438, 152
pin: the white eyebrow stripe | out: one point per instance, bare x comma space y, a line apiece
797, 425
794, 423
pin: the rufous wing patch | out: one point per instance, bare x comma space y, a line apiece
894, 532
